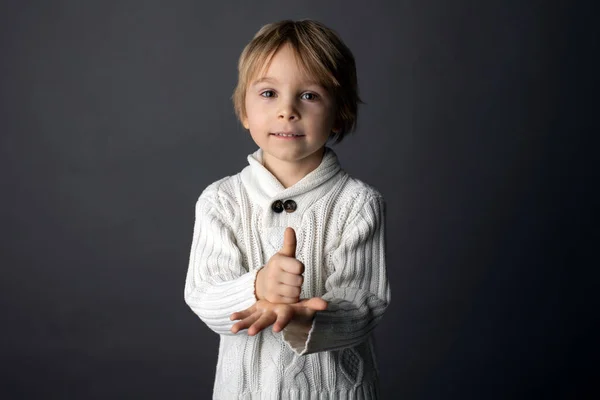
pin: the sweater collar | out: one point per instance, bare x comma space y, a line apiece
263, 187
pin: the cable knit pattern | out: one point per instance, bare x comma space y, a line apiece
340, 230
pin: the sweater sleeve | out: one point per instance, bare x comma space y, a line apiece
217, 283
357, 291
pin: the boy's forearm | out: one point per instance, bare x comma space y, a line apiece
214, 303
349, 319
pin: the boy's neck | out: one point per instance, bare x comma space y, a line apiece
289, 173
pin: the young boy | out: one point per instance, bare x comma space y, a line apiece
292, 240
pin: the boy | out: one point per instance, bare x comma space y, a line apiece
292, 240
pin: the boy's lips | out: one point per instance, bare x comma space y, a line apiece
289, 135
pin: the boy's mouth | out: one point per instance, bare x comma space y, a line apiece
287, 134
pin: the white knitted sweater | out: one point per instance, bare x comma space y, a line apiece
339, 224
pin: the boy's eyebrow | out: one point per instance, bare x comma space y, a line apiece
268, 79
264, 79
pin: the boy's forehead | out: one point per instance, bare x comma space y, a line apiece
263, 73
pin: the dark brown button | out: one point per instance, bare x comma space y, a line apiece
289, 206
277, 206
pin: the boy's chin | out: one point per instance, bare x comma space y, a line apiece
291, 154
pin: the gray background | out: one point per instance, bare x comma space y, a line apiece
115, 115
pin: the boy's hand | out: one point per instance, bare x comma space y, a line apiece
264, 313
280, 281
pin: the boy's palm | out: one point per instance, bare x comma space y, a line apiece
264, 313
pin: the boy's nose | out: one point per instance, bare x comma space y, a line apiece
288, 112
291, 117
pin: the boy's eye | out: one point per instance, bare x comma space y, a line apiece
268, 93
308, 96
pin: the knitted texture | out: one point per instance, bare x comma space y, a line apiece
340, 232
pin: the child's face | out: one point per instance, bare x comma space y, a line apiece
286, 100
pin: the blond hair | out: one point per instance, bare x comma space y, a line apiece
322, 54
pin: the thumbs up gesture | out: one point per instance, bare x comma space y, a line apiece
280, 280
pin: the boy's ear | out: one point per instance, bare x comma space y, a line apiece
245, 123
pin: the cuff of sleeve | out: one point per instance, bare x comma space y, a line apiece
302, 337
247, 290
254, 279
297, 335
221, 303
217, 311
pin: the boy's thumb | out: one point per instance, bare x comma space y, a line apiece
289, 243
316, 303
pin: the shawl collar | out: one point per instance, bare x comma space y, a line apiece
263, 188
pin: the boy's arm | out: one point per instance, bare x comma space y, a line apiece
357, 292
217, 283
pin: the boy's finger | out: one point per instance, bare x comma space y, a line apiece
242, 314
315, 303
239, 315
289, 243
291, 279
245, 323
293, 267
286, 300
282, 321
264, 321
289, 291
